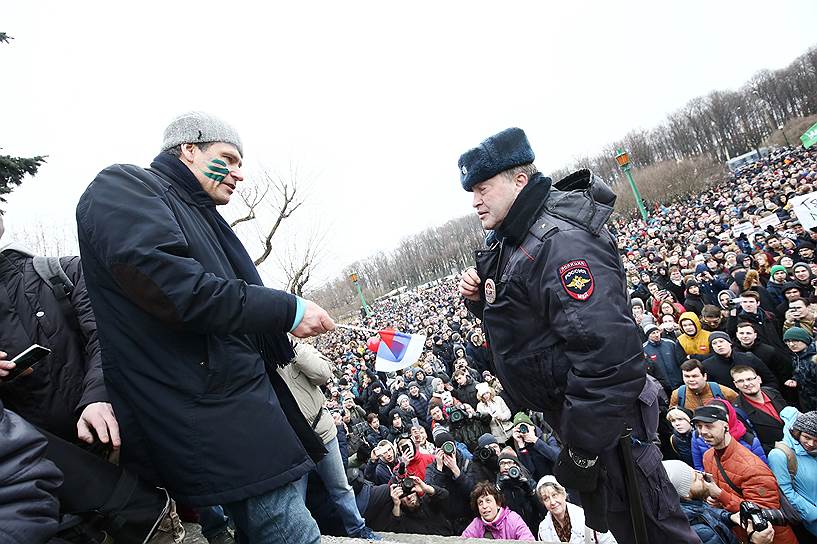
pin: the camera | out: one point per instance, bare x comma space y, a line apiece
760, 517
448, 448
523, 428
514, 473
457, 416
484, 454
402, 478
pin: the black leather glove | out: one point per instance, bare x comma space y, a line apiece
572, 475
595, 505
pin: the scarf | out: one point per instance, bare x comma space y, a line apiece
525, 209
274, 347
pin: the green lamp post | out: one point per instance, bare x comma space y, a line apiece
623, 160
354, 278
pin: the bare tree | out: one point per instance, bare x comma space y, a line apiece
299, 260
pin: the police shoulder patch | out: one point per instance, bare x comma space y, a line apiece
577, 279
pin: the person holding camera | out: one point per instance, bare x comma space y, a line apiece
537, 452
485, 465
518, 488
415, 508
804, 377
492, 404
465, 388
415, 461
737, 473
448, 471
712, 525
765, 322
799, 315
379, 468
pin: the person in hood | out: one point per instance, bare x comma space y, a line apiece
664, 358
694, 302
779, 277
494, 520
803, 277
694, 339
794, 464
804, 379
738, 431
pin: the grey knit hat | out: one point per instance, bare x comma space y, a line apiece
719, 334
196, 127
806, 423
680, 474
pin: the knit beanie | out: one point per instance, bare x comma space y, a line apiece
507, 453
806, 423
678, 411
413, 384
718, 334
680, 474
196, 127
486, 440
777, 268
521, 417
796, 333
800, 265
637, 302
438, 429
442, 438
649, 327
401, 397
435, 382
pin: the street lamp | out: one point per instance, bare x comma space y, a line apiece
354, 277
781, 129
623, 160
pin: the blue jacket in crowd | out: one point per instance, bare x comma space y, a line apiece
667, 355
699, 447
802, 490
709, 524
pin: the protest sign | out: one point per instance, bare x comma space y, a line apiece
805, 208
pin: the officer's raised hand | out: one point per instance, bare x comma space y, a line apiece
469, 285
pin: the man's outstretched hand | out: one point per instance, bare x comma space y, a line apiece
315, 321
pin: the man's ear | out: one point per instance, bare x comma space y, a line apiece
187, 152
521, 180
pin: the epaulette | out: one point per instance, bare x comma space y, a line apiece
582, 198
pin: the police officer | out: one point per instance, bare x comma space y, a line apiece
551, 291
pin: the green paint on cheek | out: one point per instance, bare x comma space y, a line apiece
218, 170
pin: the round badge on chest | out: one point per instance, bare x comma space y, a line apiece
490, 291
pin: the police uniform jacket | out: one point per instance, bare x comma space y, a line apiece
555, 307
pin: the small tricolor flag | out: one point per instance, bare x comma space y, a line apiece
398, 350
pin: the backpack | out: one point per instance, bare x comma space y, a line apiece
791, 458
52, 273
713, 386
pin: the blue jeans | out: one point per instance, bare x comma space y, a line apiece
331, 471
279, 516
212, 520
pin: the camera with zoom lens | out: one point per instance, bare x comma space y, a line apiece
448, 448
514, 473
456, 416
484, 454
523, 428
403, 480
760, 517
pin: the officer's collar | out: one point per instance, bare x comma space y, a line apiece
524, 210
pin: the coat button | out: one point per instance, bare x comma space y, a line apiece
40, 314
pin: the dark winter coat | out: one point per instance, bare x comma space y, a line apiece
711, 525
805, 374
775, 360
682, 444
466, 393
481, 355
718, 367
29, 509
378, 472
177, 330
668, 355
765, 324
70, 377
768, 429
558, 348
458, 506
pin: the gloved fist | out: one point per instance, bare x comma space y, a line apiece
573, 473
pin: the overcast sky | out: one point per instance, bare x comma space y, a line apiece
372, 102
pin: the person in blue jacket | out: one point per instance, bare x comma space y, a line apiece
799, 455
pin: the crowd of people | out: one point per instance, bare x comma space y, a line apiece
726, 313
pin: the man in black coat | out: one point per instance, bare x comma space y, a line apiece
761, 404
551, 292
450, 472
777, 362
65, 392
724, 358
191, 338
